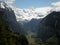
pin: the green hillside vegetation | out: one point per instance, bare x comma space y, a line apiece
8, 37
52, 41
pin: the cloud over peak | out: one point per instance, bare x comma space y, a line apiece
56, 3
8, 1
56, 6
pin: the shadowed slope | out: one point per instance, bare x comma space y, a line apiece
8, 35
49, 27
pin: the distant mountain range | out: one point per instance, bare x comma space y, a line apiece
30, 18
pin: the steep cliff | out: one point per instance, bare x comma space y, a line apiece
9, 28
49, 28
9, 18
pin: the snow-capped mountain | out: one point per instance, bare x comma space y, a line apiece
30, 13
36, 13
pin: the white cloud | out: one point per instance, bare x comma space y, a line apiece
8, 1
56, 6
56, 3
43, 10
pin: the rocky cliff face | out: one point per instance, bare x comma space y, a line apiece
49, 27
9, 17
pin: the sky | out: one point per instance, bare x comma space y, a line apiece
30, 3
33, 3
